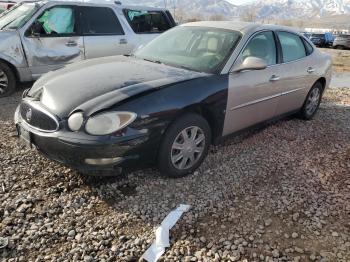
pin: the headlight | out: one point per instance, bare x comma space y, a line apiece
108, 123
75, 121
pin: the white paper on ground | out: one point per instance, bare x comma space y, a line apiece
157, 249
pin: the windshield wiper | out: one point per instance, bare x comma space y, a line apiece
152, 61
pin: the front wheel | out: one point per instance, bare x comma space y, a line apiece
184, 146
7, 80
312, 102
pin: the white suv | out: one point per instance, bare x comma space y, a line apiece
40, 36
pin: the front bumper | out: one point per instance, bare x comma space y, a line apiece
94, 155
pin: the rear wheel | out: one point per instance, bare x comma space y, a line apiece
184, 147
312, 102
7, 80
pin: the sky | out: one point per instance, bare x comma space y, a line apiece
239, 2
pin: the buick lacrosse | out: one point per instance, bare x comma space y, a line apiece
166, 104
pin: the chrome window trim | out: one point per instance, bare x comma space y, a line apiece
46, 112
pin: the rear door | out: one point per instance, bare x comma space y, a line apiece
103, 33
298, 72
53, 39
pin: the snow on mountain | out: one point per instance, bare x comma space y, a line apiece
263, 9
205, 8
284, 9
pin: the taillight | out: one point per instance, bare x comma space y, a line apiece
10, 6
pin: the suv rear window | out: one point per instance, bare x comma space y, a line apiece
100, 21
147, 22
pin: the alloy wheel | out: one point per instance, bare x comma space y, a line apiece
4, 82
313, 101
188, 147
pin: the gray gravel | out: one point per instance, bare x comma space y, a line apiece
281, 193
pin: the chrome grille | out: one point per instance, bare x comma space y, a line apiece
38, 117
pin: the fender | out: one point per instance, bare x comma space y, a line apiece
206, 96
11, 49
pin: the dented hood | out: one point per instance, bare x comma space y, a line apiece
96, 84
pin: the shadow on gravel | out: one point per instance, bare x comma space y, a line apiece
8, 104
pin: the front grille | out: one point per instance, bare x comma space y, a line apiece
38, 117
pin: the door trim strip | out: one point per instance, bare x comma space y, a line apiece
255, 102
291, 91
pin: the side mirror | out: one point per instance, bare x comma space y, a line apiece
251, 63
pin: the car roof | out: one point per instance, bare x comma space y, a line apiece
99, 3
243, 27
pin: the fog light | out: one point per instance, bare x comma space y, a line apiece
103, 161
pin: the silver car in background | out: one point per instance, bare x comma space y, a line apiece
342, 42
40, 36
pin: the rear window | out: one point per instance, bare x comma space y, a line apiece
292, 46
309, 49
100, 21
147, 22
344, 36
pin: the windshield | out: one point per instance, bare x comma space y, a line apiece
18, 15
202, 49
318, 35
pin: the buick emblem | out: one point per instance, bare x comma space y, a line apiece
29, 115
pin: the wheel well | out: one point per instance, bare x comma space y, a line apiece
12, 67
206, 114
322, 80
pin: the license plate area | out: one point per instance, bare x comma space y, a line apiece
25, 136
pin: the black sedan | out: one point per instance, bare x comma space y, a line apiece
187, 89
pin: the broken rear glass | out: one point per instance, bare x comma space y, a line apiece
146, 22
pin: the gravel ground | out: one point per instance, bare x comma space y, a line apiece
280, 193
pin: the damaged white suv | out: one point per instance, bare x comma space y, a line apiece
40, 36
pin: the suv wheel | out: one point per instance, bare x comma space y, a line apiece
7, 80
312, 102
184, 147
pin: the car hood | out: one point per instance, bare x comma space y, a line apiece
97, 84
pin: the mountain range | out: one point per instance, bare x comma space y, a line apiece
261, 9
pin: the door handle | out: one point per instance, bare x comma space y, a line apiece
310, 70
71, 43
123, 41
274, 78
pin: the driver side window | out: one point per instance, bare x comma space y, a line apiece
56, 21
262, 46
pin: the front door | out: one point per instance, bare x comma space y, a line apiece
103, 33
253, 95
53, 40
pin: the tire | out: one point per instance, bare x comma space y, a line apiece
312, 102
172, 146
7, 80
